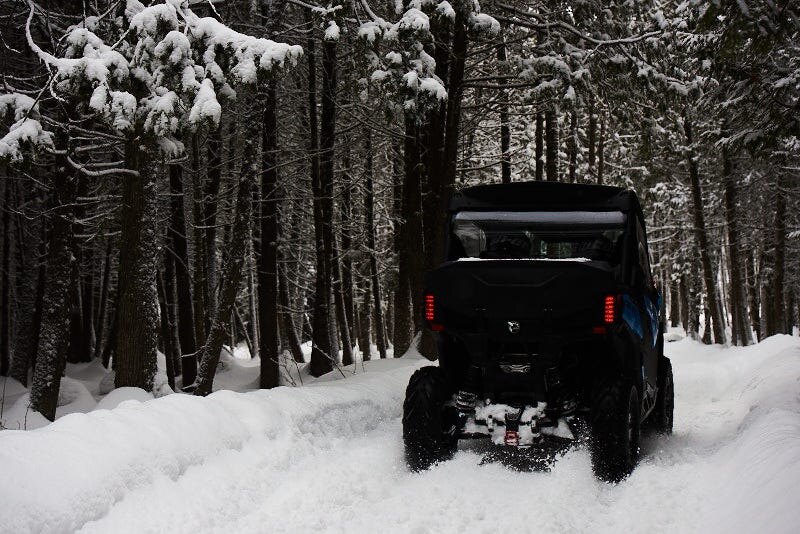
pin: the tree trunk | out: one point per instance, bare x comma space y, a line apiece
211, 209
346, 215
268, 247
539, 148
752, 294
77, 343
410, 271
591, 138
41, 283
135, 350
287, 323
341, 310
327, 146
111, 342
707, 325
233, 269
573, 146
169, 335
674, 305
701, 236
433, 135
340, 288
268, 317
322, 357
253, 326
28, 279
414, 243
768, 311
551, 140
401, 318
5, 283
365, 319
601, 151
105, 283
505, 129
86, 288
53, 340
685, 304
369, 215
791, 310
183, 281
765, 296
779, 307
80, 345
200, 280
738, 301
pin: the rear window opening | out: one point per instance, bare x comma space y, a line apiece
538, 235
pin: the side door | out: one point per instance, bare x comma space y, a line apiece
649, 301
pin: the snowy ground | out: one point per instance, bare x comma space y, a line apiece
328, 457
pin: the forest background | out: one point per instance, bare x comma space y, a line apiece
185, 175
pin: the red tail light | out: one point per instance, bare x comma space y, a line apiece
430, 313
610, 309
430, 308
511, 438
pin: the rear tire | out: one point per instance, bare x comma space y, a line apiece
661, 418
428, 425
615, 430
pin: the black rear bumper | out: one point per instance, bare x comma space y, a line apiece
518, 370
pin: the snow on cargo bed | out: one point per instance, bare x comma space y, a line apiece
329, 458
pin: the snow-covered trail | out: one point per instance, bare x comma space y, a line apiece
328, 457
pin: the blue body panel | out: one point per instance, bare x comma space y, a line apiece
652, 312
631, 316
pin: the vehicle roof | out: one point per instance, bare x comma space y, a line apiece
545, 196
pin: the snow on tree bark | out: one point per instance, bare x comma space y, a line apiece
51, 353
137, 302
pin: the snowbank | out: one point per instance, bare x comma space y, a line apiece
120, 395
58, 478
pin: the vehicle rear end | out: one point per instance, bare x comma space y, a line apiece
523, 311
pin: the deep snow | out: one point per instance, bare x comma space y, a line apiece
328, 457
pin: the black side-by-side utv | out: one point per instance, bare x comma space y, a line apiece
545, 315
